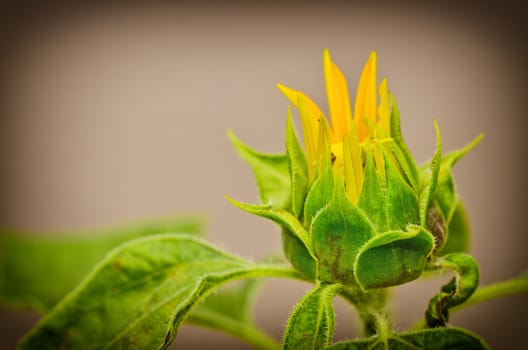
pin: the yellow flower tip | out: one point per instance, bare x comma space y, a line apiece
326, 55
338, 100
373, 57
366, 97
290, 94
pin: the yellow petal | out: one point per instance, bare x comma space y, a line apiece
338, 100
353, 165
383, 109
311, 116
365, 106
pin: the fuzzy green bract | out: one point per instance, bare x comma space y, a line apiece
371, 244
311, 324
338, 233
457, 291
456, 226
271, 173
403, 253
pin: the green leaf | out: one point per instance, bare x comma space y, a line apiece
372, 197
28, 263
338, 232
298, 168
137, 297
429, 178
311, 324
271, 173
458, 239
431, 339
396, 134
393, 258
229, 310
457, 291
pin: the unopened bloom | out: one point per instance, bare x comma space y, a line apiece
347, 133
354, 207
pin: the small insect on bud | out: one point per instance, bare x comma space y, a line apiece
436, 225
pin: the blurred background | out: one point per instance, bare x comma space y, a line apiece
112, 113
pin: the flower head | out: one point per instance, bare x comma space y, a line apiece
354, 207
348, 133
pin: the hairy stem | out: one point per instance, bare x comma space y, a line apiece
368, 305
244, 331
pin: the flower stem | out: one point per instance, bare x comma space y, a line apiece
368, 305
244, 331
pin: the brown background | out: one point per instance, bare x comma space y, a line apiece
113, 113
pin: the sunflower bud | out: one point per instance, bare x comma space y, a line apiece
358, 211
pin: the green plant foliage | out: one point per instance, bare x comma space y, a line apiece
431, 339
371, 199
137, 297
338, 232
281, 217
451, 206
297, 244
298, 168
400, 199
320, 193
271, 173
229, 310
393, 258
311, 324
36, 271
402, 153
429, 178
458, 238
457, 291
299, 255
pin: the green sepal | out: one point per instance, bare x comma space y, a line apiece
458, 232
458, 239
401, 202
372, 198
271, 173
139, 294
298, 168
282, 217
298, 255
320, 193
311, 324
457, 291
28, 262
338, 231
436, 224
429, 178
430, 339
296, 241
404, 156
393, 258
